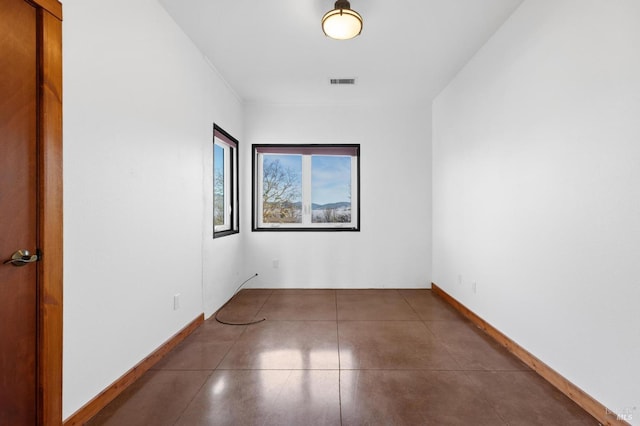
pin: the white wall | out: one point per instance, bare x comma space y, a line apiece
393, 248
536, 190
139, 106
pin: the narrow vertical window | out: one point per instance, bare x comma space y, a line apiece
306, 187
225, 183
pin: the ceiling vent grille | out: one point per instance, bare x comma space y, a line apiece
342, 81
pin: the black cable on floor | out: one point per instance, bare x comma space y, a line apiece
228, 301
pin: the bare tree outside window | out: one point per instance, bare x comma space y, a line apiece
218, 198
281, 192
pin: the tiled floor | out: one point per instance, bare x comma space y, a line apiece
340, 357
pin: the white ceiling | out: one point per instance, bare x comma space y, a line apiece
274, 51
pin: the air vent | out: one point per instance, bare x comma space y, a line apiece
342, 81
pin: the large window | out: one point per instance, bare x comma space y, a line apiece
225, 183
306, 187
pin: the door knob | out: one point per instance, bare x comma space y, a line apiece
22, 257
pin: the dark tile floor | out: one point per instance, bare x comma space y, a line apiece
340, 357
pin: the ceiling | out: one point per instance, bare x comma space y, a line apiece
274, 51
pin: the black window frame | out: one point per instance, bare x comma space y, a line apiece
234, 184
317, 150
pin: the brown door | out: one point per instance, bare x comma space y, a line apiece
18, 212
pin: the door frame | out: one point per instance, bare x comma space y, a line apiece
49, 222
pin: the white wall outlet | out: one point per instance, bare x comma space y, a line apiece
474, 287
459, 279
176, 302
276, 263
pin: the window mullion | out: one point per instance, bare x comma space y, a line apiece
354, 191
227, 187
233, 199
306, 190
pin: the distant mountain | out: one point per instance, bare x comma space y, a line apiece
330, 206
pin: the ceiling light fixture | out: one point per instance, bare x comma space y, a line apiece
342, 23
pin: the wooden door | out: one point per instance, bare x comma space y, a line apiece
18, 212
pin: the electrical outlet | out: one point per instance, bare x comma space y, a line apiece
176, 302
276, 263
474, 287
459, 279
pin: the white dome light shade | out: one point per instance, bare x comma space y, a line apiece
342, 23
